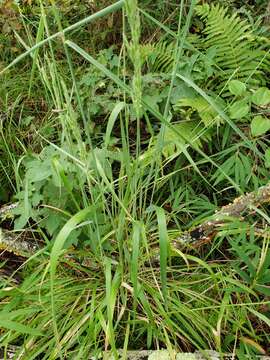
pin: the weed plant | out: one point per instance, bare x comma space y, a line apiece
113, 153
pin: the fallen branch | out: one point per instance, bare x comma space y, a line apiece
17, 243
241, 206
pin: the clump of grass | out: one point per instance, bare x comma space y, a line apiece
124, 205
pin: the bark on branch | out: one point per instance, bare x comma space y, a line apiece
240, 207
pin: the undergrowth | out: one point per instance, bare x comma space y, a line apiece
113, 144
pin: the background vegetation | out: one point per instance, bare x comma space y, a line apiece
118, 132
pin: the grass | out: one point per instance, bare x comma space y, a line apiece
105, 201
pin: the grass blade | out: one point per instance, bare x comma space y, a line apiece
135, 258
114, 115
163, 247
14, 325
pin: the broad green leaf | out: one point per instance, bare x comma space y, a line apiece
239, 109
52, 222
267, 158
261, 96
237, 87
38, 171
259, 125
153, 99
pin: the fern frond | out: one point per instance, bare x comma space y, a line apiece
238, 55
159, 56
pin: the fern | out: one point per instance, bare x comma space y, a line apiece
158, 57
238, 55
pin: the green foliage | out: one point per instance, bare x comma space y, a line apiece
254, 261
159, 56
261, 97
259, 125
238, 53
98, 94
238, 166
267, 158
191, 132
54, 189
237, 87
241, 109
127, 154
208, 115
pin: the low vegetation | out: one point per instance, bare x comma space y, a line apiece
123, 127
